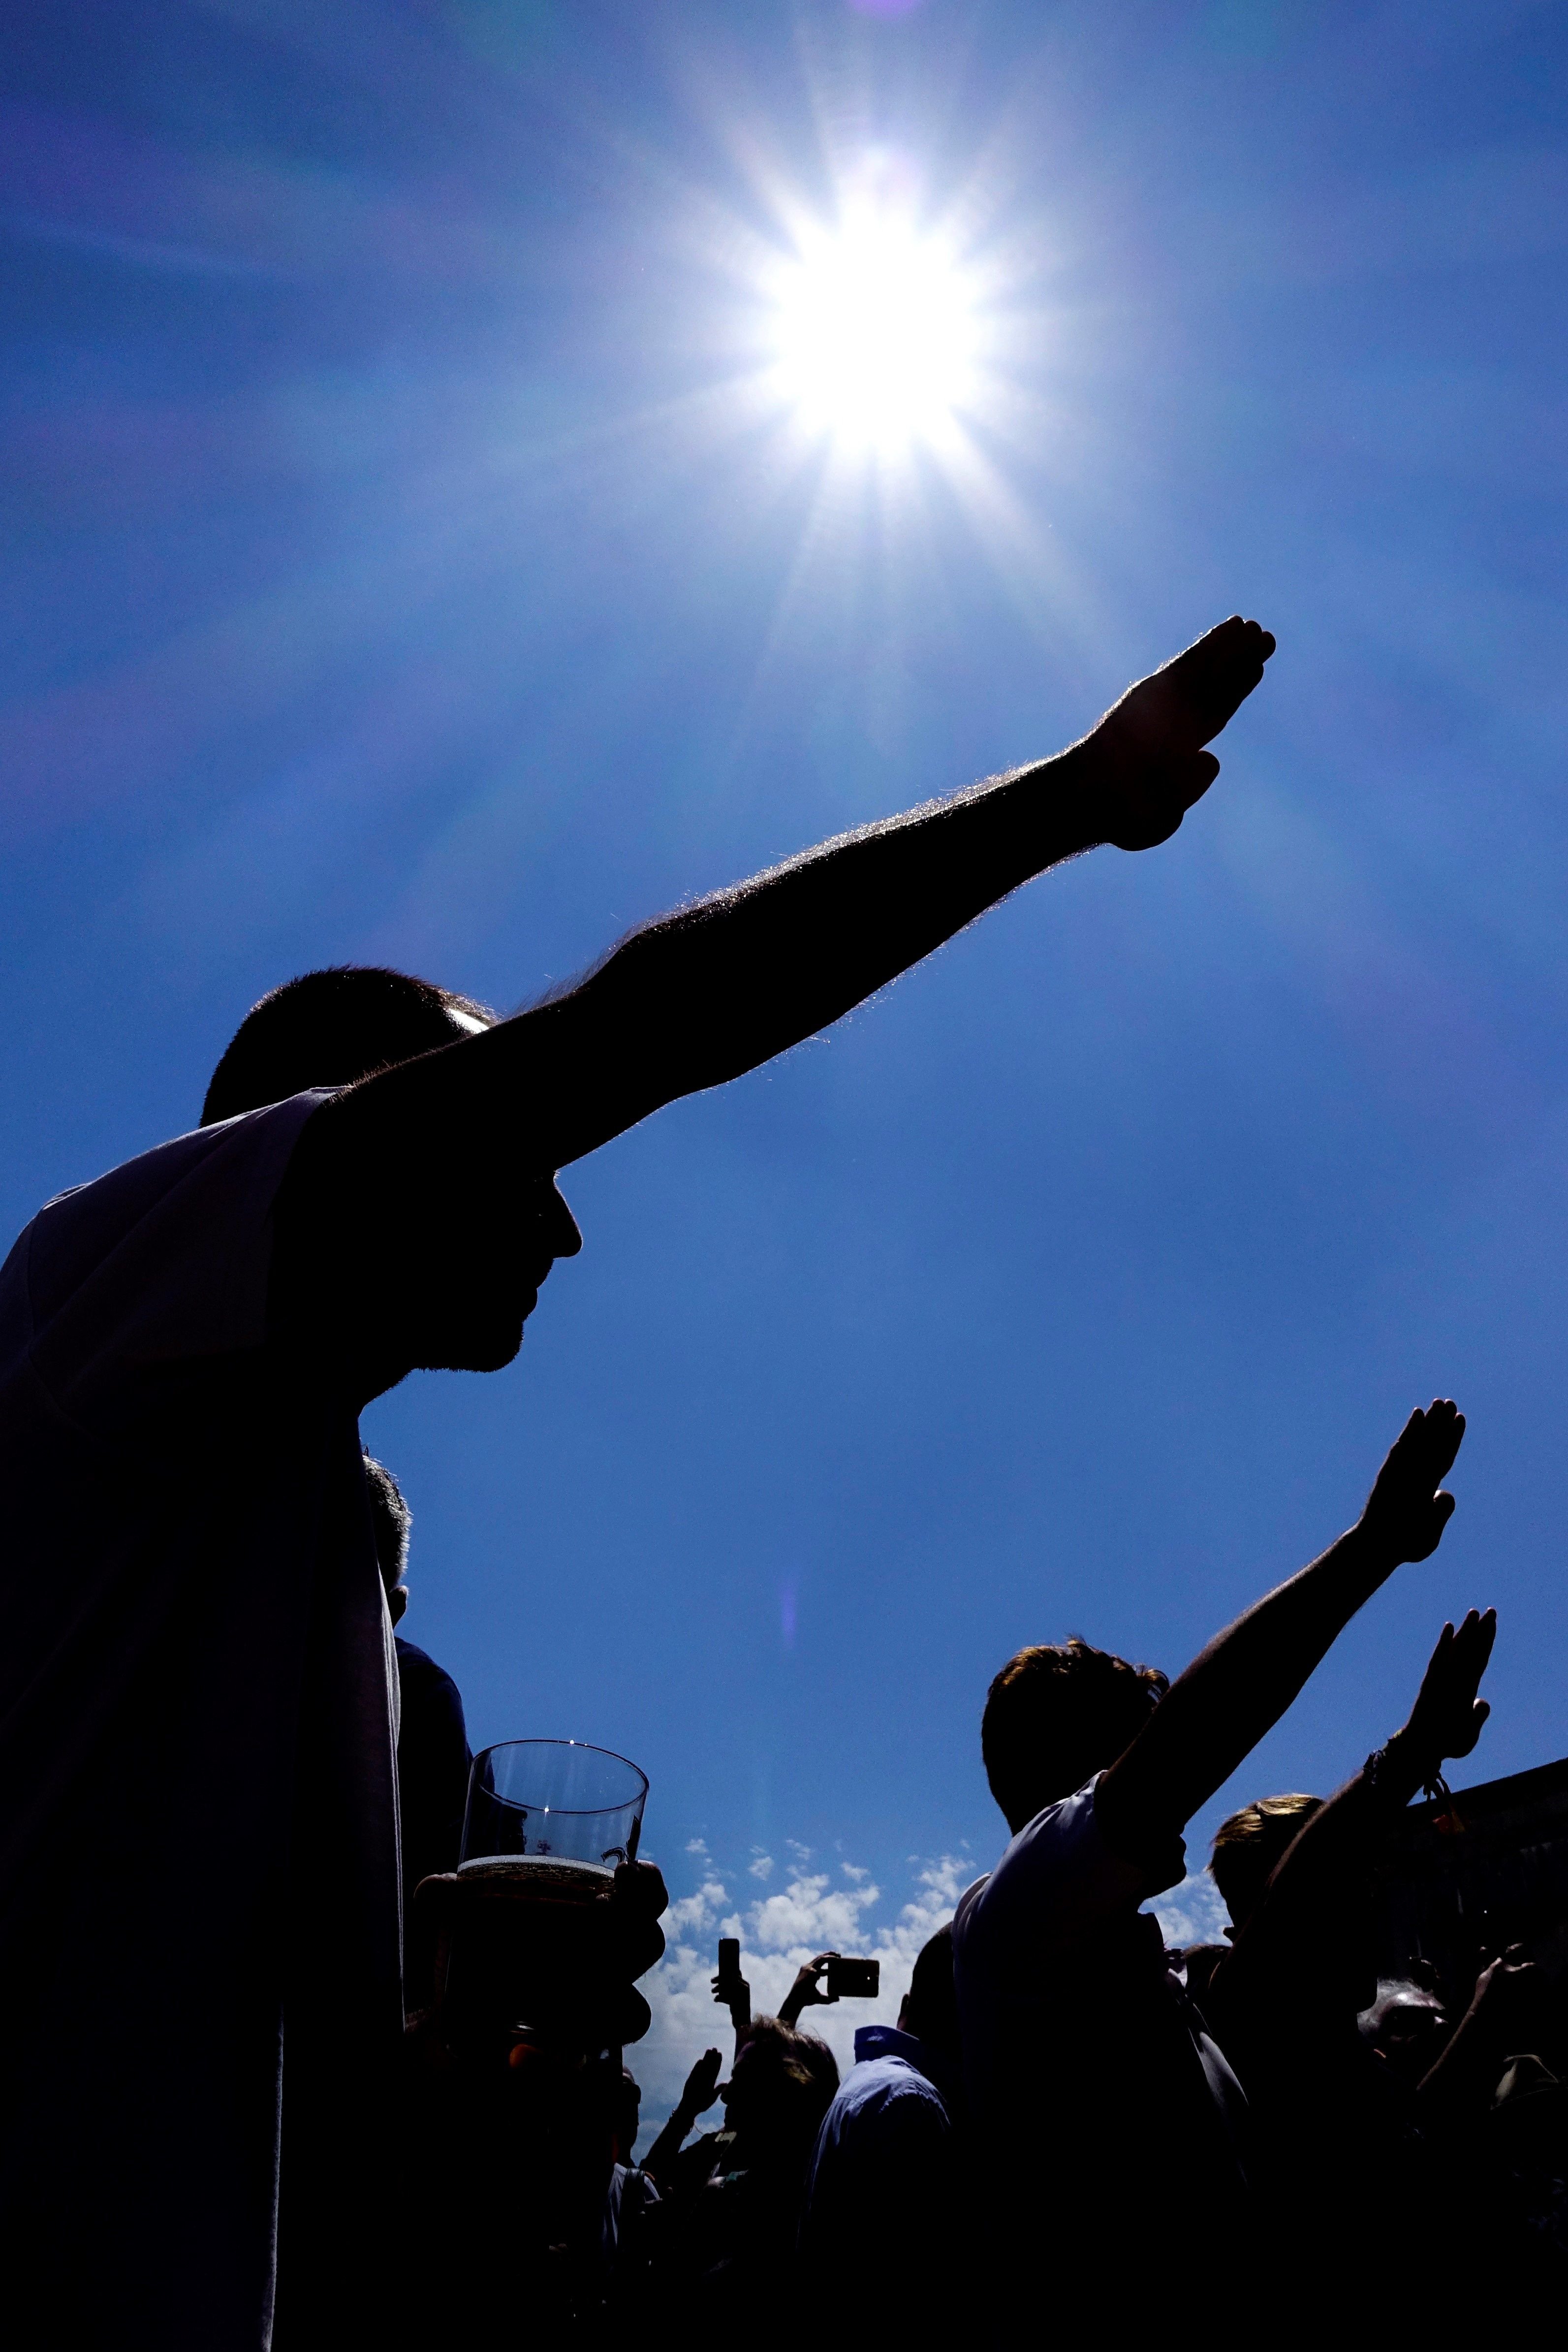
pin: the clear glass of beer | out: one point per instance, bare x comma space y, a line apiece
540, 1806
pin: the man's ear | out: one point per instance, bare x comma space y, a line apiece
397, 1601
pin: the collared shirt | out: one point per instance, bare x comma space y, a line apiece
878, 2184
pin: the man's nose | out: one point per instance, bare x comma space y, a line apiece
562, 1234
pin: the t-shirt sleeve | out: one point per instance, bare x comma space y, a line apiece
1056, 1880
164, 1261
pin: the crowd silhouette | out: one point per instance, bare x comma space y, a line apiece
279, 2070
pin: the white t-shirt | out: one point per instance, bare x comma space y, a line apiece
1094, 2079
198, 1823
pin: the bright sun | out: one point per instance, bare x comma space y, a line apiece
875, 334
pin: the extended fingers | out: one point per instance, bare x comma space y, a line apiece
1475, 1636
1445, 1433
1427, 1444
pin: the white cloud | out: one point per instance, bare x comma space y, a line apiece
779, 1933
762, 1867
1192, 1913
697, 1845
691, 1912
812, 1912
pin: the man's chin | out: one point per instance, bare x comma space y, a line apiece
488, 1352
484, 1348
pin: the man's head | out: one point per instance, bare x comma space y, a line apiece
392, 1520
329, 1028
1407, 2026
930, 2009
1249, 1844
1055, 1716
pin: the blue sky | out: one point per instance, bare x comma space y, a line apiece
399, 566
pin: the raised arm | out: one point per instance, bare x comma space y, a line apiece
714, 989
701, 2091
418, 1216
1308, 1883
1239, 1687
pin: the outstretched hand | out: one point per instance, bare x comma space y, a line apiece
702, 2085
1446, 1718
1146, 757
1405, 1514
809, 1988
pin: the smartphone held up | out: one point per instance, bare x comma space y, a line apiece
853, 1979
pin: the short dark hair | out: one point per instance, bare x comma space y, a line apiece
931, 1998
392, 1520
329, 1028
1056, 1714
1249, 1845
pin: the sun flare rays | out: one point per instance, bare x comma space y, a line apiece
876, 333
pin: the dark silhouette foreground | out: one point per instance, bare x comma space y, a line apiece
198, 1800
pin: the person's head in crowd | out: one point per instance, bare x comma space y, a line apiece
780, 2086
1249, 1845
393, 1519
1055, 1716
930, 2008
1407, 2026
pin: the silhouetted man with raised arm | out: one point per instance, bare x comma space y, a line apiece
199, 1895
1113, 2128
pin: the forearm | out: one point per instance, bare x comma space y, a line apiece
1327, 1858
713, 989
1462, 2082
1235, 1690
660, 2160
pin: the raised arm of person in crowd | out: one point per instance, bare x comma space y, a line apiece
734, 1993
1309, 1880
1237, 1688
699, 2095
809, 1988
1504, 2016
716, 988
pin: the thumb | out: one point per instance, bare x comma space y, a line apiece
1186, 779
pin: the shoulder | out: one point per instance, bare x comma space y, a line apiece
1058, 1873
886, 2099
415, 1665
966, 1905
886, 2082
163, 1260
426, 1687
235, 1157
